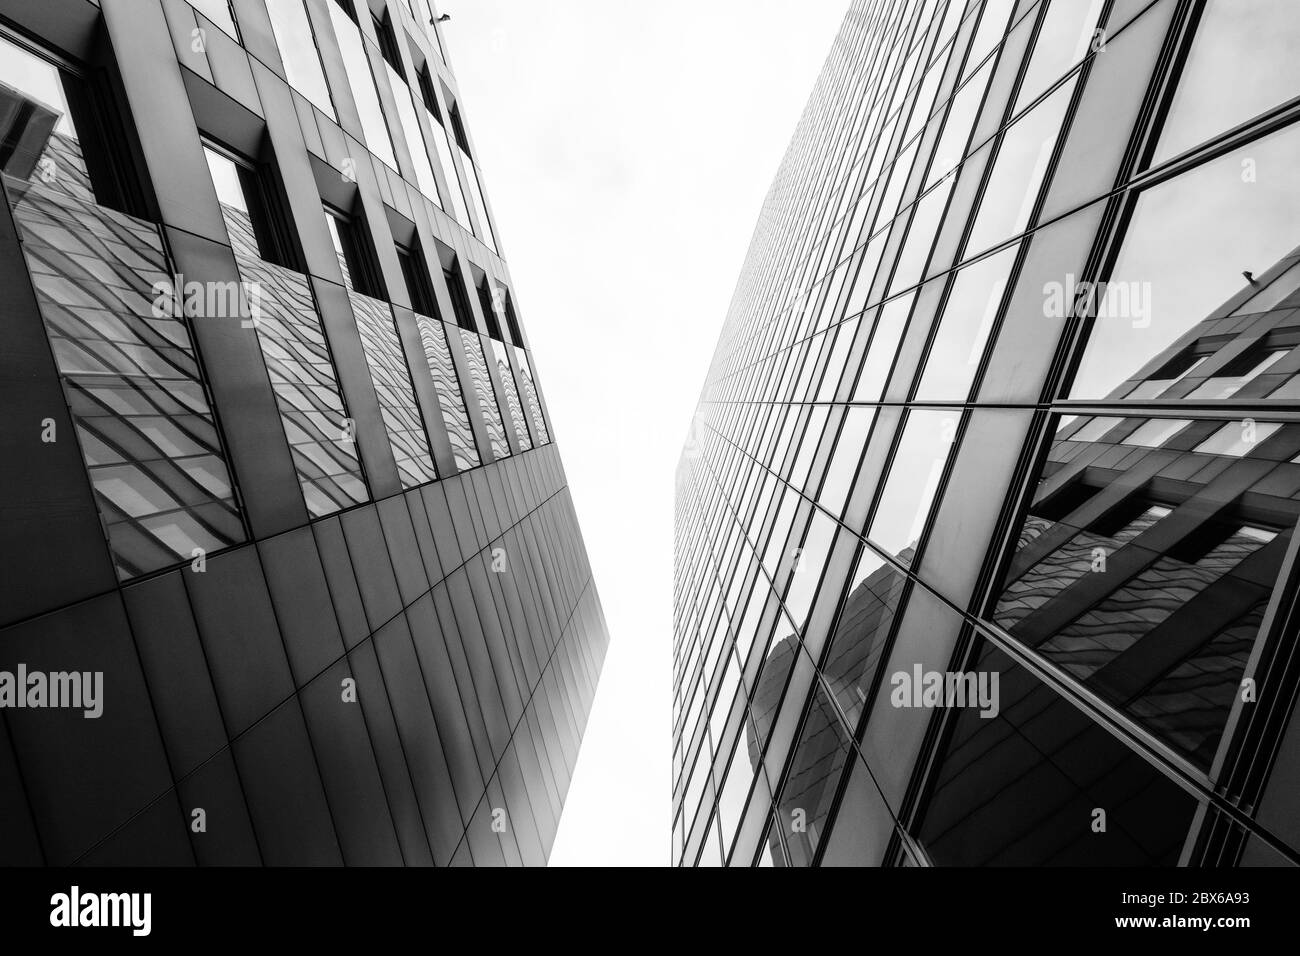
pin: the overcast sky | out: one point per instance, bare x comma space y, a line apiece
626, 148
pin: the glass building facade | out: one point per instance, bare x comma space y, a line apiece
1005, 408
278, 583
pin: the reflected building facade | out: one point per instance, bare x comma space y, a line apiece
1007, 390
258, 486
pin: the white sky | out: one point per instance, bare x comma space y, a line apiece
627, 146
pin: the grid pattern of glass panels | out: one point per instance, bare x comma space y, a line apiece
978, 414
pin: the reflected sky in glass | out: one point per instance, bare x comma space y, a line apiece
1219, 88
1187, 245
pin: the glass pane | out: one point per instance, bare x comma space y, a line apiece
1237, 439
123, 349
443, 145
508, 385
364, 92
813, 777
297, 42
858, 642
1232, 378
1156, 432
1207, 101
487, 399
1018, 170
882, 349
42, 145
957, 127
321, 436
994, 21
914, 475
530, 393
1188, 243
218, 11
392, 381
414, 136
1019, 788
484, 230
451, 399
968, 317
1063, 40
844, 462
1151, 591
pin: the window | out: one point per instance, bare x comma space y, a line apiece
990, 770
1063, 40
968, 316
512, 320
501, 356
474, 189
530, 393
481, 381
299, 53
388, 43
1166, 631
1157, 432
484, 230
1018, 170
355, 254
1173, 371
415, 144
357, 64
491, 307
1204, 105
459, 128
418, 285
451, 397
464, 315
220, 13
914, 475
391, 377
131, 378
60, 132
1188, 242
442, 144
1237, 438
1093, 429
1237, 374
247, 207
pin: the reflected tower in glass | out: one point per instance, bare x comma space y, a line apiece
278, 585
1005, 408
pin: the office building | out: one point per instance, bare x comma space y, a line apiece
985, 543
289, 569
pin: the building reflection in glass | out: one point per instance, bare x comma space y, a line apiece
446, 383
130, 374
321, 435
1146, 563
530, 393
392, 381
502, 358
487, 399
